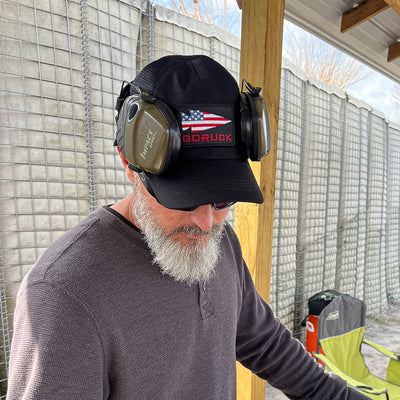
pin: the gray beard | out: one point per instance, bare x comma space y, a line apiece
188, 264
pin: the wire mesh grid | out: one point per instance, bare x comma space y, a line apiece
56, 118
318, 197
375, 285
393, 215
178, 34
353, 209
62, 64
174, 39
117, 49
330, 205
286, 198
43, 189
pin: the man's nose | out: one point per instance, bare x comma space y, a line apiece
203, 217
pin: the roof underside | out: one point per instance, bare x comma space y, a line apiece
369, 41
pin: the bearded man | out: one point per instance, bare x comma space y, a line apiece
150, 298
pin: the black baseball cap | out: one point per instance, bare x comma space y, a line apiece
212, 166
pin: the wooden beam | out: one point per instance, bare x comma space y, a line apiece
394, 49
260, 64
394, 52
395, 4
362, 12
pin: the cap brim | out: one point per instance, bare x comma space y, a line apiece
198, 182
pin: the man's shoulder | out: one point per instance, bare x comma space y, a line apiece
78, 236
88, 247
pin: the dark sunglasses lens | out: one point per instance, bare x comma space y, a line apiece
217, 206
225, 204
186, 209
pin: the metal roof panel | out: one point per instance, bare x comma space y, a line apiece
367, 42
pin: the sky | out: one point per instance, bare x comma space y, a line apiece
376, 90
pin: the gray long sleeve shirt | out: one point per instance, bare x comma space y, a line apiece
96, 319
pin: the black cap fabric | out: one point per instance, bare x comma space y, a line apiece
211, 167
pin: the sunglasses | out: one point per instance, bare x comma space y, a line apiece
216, 206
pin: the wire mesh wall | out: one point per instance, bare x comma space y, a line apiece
392, 261
353, 211
337, 216
62, 64
336, 222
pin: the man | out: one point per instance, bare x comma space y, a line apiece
150, 298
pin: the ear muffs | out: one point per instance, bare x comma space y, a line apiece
149, 134
150, 139
255, 127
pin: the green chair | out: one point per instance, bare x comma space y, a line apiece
340, 335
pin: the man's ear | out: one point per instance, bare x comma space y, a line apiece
125, 163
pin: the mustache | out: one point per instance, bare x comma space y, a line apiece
194, 230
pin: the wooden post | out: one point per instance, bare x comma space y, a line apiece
260, 64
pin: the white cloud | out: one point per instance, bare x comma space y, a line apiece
377, 92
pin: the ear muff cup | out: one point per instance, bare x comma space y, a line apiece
246, 125
151, 134
255, 128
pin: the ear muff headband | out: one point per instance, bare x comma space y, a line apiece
151, 133
255, 127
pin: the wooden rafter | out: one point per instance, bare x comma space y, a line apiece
363, 12
395, 4
394, 52
394, 49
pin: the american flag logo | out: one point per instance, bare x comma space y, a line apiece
200, 120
